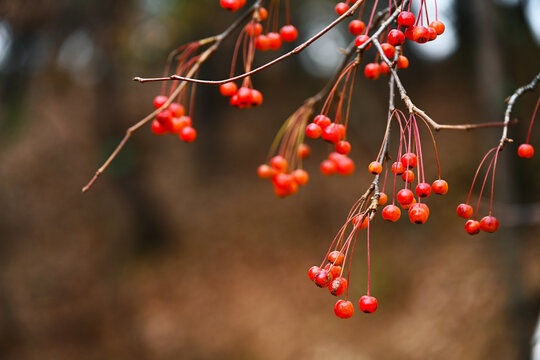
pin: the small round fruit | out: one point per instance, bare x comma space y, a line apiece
464, 210
406, 19
157, 128
360, 40
405, 196
332, 133
265, 171
228, 89
188, 134
389, 50
343, 147
336, 257
313, 131
313, 271
345, 166
375, 167
391, 213
341, 8
472, 227
526, 151
423, 190
372, 71
489, 224
323, 278
440, 187
409, 160
288, 33
159, 101
177, 110
396, 37
418, 213
303, 151
398, 168
357, 27
438, 26
344, 309
402, 62
262, 42
383, 198
408, 176
328, 167
338, 286
300, 176
368, 304
279, 163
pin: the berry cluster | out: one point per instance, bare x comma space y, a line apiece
242, 98
173, 120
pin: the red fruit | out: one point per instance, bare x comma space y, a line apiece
288, 33
409, 160
274, 40
345, 166
525, 151
313, 131
408, 176
389, 50
231, 5
265, 171
407, 206
323, 278
338, 286
342, 130
335, 157
328, 167
313, 271
343, 147
489, 224
344, 309
464, 210
398, 168
372, 71
303, 151
282, 181
364, 218
279, 163
383, 198
179, 123
356, 27
418, 213
405, 196
420, 34
254, 29
177, 110
409, 32
375, 167
263, 13
432, 33
331, 133
368, 304
440, 187
423, 190
384, 68
300, 176
228, 89
341, 8
402, 62
256, 97
262, 42
391, 213
188, 134
234, 100
165, 118
472, 227
157, 128
438, 26
322, 120
361, 39
336, 257
244, 96
406, 19
159, 101
396, 37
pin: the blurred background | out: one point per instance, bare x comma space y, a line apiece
180, 252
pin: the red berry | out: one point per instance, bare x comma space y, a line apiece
432, 33
423, 190
391, 213
231, 5
464, 210
408, 176
438, 26
472, 227
322, 120
409, 160
375, 167
343, 147
336, 257
157, 128
288, 33
525, 151
372, 71
300, 176
165, 118
262, 42
396, 37
409, 32
384, 68
440, 187
323, 278
338, 286
402, 62
159, 101
244, 96
398, 168
489, 224
341, 8
345, 166
303, 151
406, 19
282, 181
279, 163
256, 97
265, 171
263, 13
177, 109
389, 50
357, 27
313, 271
361, 39
418, 213
328, 167
364, 218
420, 34
335, 271
188, 134
405, 196
228, 89
313, 131
331, 133
254, 28
274, 40
179, 123
344, 309
383, 198
368, 304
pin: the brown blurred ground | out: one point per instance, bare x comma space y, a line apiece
179, 252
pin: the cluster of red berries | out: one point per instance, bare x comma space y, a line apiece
418, 212
173, 120
232, 5
338, 161
243, 97
330, 276
488, 223
285, 182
